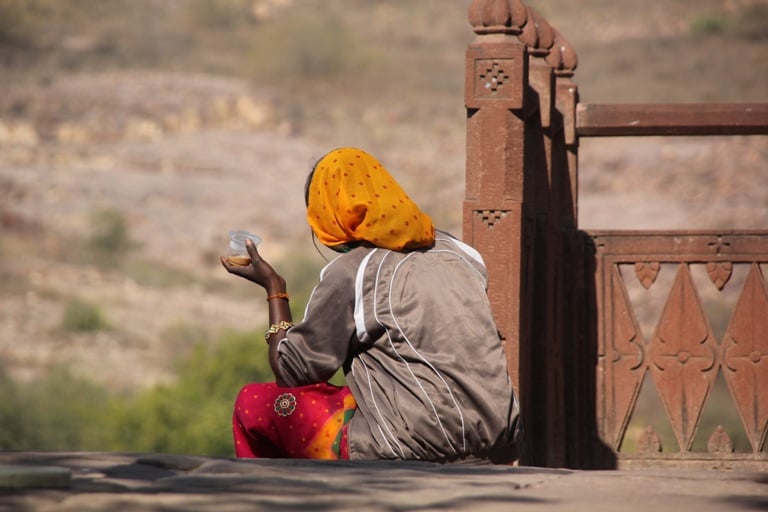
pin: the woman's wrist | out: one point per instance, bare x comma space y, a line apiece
275, 286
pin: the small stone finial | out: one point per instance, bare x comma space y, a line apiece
720, 442
649, 442
562, 57
497, 16
538, 35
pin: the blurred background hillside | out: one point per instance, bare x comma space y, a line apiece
134, 135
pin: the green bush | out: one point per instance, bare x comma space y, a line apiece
193, 415
58, 412
708, 24
12, 431
82, 316
110, 238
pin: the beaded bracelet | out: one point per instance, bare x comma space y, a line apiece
274, 328
281, 295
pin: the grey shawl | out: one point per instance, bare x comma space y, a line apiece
420, 351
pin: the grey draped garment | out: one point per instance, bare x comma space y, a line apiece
420, 350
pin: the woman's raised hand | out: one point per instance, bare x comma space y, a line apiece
258, 271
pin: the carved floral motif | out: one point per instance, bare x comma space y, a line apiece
649, 441
719, 442
627, 359
745, 357
647, 272
493, 77
684, 358
491, 217
719, 272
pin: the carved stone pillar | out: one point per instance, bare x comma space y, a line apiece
496, 71
520, 213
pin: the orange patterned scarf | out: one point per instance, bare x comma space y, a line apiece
353, 198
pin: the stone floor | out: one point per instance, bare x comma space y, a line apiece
31, 481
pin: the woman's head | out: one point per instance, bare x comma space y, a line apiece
352, 198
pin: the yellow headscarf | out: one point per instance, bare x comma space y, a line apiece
352, 198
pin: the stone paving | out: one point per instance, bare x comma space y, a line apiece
84, 482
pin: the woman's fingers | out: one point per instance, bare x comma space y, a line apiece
259, 271
252, 251
245, 270
230, 267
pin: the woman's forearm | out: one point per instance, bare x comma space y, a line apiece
280, 319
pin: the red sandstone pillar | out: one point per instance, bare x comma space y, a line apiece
520, 210
496, 71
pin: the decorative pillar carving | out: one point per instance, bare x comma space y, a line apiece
495, 74
519, 212
563, 60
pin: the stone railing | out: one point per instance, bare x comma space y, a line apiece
573, 348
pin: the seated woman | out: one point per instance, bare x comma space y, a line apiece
403, 310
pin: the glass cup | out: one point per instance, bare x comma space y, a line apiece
238, 254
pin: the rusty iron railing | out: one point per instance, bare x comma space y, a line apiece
575, 349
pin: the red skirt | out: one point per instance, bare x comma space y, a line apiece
306, 422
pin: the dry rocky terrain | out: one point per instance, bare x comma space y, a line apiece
185, 148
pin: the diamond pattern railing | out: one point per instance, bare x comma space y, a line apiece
577, 352
683, 357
